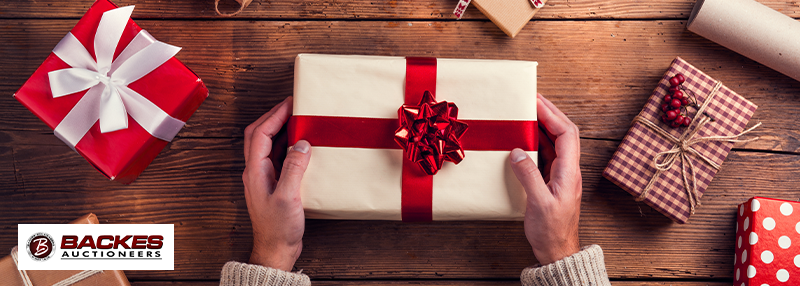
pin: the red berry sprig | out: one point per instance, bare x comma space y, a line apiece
675, 103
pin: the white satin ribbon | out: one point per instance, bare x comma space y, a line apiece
109, 99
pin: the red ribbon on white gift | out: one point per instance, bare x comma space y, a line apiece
109, 99
463, 4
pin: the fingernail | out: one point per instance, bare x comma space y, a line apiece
518, 155
301, 146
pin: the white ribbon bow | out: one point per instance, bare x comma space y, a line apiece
109, 98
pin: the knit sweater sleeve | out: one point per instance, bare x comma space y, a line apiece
586, 267
243, 274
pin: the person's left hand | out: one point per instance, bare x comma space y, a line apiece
276, 211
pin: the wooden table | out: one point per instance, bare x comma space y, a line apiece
599, 60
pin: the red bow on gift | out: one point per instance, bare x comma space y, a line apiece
430, 133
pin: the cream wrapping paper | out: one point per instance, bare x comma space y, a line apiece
365, 183
751, 29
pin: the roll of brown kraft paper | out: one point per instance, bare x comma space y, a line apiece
751, 29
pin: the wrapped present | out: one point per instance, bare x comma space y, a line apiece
112, 92
13, 277
509, 15
767, 243
413, 139
669, 168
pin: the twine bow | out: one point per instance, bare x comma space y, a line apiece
663, 161
66, 282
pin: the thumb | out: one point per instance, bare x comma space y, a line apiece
528, 174
293, 168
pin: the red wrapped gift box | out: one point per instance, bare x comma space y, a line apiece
767, 243
144, 84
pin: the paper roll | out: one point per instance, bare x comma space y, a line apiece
751, 29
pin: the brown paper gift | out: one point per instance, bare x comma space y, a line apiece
695, 156
509, 15
10, 276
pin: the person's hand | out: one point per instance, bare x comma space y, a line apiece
554, 195
274, 206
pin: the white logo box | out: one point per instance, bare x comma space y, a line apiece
112, 251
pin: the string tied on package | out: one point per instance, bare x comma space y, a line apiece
80, 276
682, 148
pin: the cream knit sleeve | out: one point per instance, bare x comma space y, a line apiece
583, 268
243, 274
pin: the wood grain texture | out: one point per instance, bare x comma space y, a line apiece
599, 72
364, 9
498, 283
200, 192
599, 61
434, 282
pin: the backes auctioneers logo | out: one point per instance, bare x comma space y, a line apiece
96, 246
40, 246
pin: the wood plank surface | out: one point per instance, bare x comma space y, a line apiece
365, 9
437, 283
200, 192
248, 66
598, 61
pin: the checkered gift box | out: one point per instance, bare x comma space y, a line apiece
633, 167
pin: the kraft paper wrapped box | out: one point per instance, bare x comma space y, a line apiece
10, 276
112, 92
767, 243
509, 15
347, 107
691, 156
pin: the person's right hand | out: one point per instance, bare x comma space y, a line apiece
554, 200
276, 211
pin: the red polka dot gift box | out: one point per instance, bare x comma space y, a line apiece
767, 243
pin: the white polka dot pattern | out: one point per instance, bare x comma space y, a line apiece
782, 275
769, 223
784, 242
767, 242
786, 209
767, 257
